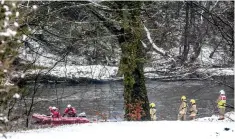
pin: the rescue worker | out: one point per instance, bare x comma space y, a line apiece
153, 112
182, 109
221, 104
70, 111
193, 109
54, 112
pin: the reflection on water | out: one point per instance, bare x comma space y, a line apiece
108, 98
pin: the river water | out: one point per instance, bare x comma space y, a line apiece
107, 98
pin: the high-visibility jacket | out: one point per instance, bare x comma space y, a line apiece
221, 101
193, 110
153, 114
183, 107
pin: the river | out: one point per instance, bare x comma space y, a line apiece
107, 98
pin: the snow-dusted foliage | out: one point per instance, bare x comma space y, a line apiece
9, 30
16, 96
76, 36
10, 41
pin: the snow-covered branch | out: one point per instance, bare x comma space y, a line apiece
145, 46
106, 8
159, 50
156, 48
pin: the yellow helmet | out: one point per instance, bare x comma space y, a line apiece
193, 101
151, 105
183, 98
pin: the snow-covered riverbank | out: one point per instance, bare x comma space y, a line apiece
206, 128
74, 67
105, 73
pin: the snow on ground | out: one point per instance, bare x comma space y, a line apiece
203, 128
218, 57
229, 116
216, 71
100, 72
93, 72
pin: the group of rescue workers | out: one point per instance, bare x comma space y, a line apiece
68, 112
221, 104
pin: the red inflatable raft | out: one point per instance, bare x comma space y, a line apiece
43, 119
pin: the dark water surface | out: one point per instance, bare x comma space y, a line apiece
108, 97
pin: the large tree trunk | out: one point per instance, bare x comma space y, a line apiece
136, 101
186, 35
132, 61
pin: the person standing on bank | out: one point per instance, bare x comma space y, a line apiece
182, 109
221, 104
193, 109
153, 111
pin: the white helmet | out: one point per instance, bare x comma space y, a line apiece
222, 92
69, 106
53, 108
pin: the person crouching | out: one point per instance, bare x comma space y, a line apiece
70, 111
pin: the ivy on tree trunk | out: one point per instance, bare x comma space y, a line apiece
136, 101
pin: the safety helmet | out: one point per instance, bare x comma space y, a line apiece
222, 92
53, 108
183, 98
151, 105
69, 106
193, 101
